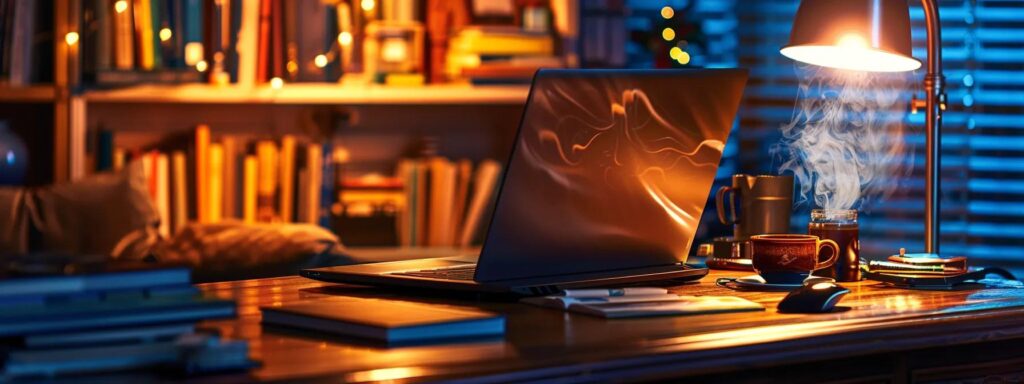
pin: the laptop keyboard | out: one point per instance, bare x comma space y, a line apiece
462, 272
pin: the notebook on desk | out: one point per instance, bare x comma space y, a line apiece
386, 320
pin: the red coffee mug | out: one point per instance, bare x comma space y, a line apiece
789, 259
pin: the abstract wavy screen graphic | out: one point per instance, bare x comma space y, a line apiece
630, 141
611, 170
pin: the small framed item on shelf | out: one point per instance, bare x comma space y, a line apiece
393, 53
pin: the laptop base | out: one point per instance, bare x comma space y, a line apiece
387, 275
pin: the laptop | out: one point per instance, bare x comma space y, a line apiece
605, 186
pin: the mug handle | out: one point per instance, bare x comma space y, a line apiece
832, 260
720, 205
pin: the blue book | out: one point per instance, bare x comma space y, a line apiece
193, 21
110, 313
102, 281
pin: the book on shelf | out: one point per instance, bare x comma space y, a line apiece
444, 202
500, 54
26, 42
200, 176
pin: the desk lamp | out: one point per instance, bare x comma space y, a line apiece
874, 36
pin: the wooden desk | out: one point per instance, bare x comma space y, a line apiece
886, 335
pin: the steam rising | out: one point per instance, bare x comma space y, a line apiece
845, 142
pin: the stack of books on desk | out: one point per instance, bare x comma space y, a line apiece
110, 321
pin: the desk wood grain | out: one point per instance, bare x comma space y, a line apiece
545, 344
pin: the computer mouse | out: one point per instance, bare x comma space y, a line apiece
815, 297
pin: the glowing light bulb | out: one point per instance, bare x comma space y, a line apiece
675, 52
368, 5
345, 38
120, 6
667, 12
166, 34
852, 41
668, 34
292, 66
684, 58
276, 83
71, 38
201, 66
193, 53
320, 61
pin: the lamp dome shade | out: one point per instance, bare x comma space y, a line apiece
861, 35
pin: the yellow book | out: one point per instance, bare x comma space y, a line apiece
124, 57
442, 194
230, 178
163, 192
478, 41
286, 185
144, 26
179, 190
249, 177
267, 180
119, 158
202, 167
216, 186
314, 168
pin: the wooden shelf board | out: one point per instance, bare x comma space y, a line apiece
314, 94
28, 94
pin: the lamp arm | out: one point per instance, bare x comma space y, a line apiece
934, 103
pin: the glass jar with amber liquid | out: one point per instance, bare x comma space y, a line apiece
839, 225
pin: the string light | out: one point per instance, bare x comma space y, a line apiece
667, 12
684, 58
345, 38
120, 6
201, 66
368, 5
675, 52
166, 34
668, 34
276, 83
320, 61
71, 38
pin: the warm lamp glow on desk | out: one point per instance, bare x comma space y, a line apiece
874, 36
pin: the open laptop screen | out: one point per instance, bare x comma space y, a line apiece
611, 170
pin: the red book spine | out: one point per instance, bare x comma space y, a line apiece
277, 38
263, 58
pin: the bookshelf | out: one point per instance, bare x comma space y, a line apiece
311, 70
315, 94
28, 94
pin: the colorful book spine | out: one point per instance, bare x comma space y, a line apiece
124, 49
144, 34
267, 180
179, 194
215, 185
163, 197
202, 173
286, 186
249, 187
